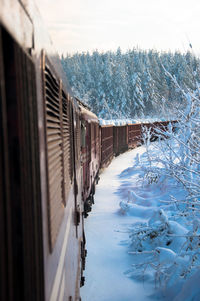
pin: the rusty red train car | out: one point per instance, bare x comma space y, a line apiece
106, 145
158, 128
120, 139
134, 135
90, 154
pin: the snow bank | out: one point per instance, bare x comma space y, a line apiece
164, 245
106, 235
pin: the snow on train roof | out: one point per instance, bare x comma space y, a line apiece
88, 115
118, 122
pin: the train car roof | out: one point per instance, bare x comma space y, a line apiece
82, 104
88, 115
106, 125
123, 122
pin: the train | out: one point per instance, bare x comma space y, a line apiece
52, 148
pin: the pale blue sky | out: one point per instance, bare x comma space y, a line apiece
85, 25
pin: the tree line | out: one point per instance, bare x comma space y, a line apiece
131, 84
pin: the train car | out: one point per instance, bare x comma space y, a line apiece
134, 132
120, 139
158, 128
106, 145
42, 239
90, 155
117, 139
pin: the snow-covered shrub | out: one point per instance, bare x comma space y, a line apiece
167, 246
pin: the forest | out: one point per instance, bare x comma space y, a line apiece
132, 84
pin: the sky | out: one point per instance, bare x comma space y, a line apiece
87, 25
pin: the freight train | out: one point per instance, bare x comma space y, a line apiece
51, 150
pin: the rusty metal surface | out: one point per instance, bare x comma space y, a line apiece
54, 142
86, 159
90, 154
91, 150
87, 115
134, 135
66, 242
66, 145
153, 127
106, 145
78, 140
120, 142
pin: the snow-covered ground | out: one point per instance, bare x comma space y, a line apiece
107, 259
142, 245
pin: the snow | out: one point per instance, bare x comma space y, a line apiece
134, 84
139, 248
107, 259
115, 122
118, 122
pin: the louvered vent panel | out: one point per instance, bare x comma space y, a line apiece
71, 139
66, 144
78, 138
54, 153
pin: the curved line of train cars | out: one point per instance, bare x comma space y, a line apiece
51, 150
118, 139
